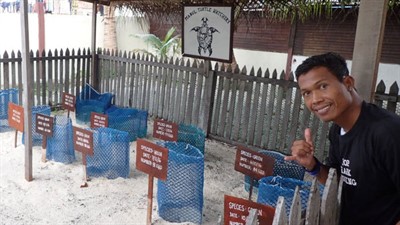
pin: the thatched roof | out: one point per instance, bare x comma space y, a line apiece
275, 10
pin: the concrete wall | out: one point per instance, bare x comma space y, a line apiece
61, 31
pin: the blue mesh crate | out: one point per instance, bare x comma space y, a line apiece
180, 196
270, 188
60, 146
283, 168
37, 138
192, 135
89, 101
131, 120
111, 154
6, 96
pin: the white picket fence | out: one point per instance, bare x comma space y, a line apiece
323, 211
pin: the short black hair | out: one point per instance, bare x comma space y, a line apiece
335, 63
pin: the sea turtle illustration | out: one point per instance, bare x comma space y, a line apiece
204, 36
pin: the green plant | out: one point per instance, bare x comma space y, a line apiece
168, 47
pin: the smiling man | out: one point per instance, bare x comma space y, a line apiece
364, 142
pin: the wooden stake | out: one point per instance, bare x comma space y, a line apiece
150, 200
251, 188
44, 146
16, 136
85, 177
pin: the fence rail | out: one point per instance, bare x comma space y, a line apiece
258, 109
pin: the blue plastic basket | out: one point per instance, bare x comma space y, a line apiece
133, 121
60, 146
180, 197
283, 168
110, 154
270, 188
89, 101
6, 96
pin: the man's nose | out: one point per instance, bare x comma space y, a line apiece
316, 97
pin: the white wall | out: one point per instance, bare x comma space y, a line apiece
61, 31
389, 73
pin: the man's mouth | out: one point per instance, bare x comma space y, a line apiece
322, 110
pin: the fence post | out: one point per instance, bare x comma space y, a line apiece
329, 204
280, 212
208, 97
314, 203
295, 209
392, 101
380, 90
252, 217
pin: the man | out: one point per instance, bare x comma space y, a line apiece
364, 142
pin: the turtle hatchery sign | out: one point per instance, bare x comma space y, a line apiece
16, 116
236, 211
208, 31
165, 130
44, 124
98, 120
252, 163
68, 102
152, 159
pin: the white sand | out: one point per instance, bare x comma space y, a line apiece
55, 196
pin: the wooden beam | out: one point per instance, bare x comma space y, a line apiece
94, 77
27, 89
368, 45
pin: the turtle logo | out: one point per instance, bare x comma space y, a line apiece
204, 36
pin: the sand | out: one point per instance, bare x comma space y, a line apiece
55, 196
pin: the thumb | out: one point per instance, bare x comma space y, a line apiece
308, 136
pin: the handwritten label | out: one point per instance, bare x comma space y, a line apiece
98, 120
68, 102
152, 159
165, 130
44, 124
236, 211
16, 116
253, 164
83, 140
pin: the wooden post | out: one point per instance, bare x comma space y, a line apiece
95, 78
368, 46
150, 200
27, 89
15, 140
85, 176
251, 188
44, 146
208, 100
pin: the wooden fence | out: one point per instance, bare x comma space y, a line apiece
319, 211
258, 109
53, 73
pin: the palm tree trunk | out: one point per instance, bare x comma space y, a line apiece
110, 34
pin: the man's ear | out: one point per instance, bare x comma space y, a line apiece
348, 81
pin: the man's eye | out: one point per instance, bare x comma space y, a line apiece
305, 94
323, 86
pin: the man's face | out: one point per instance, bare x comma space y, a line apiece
324, 94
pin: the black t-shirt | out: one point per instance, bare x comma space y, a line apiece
368, 158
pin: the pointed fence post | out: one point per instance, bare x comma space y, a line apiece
329, 204
280, 217
295, 209
313, 206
